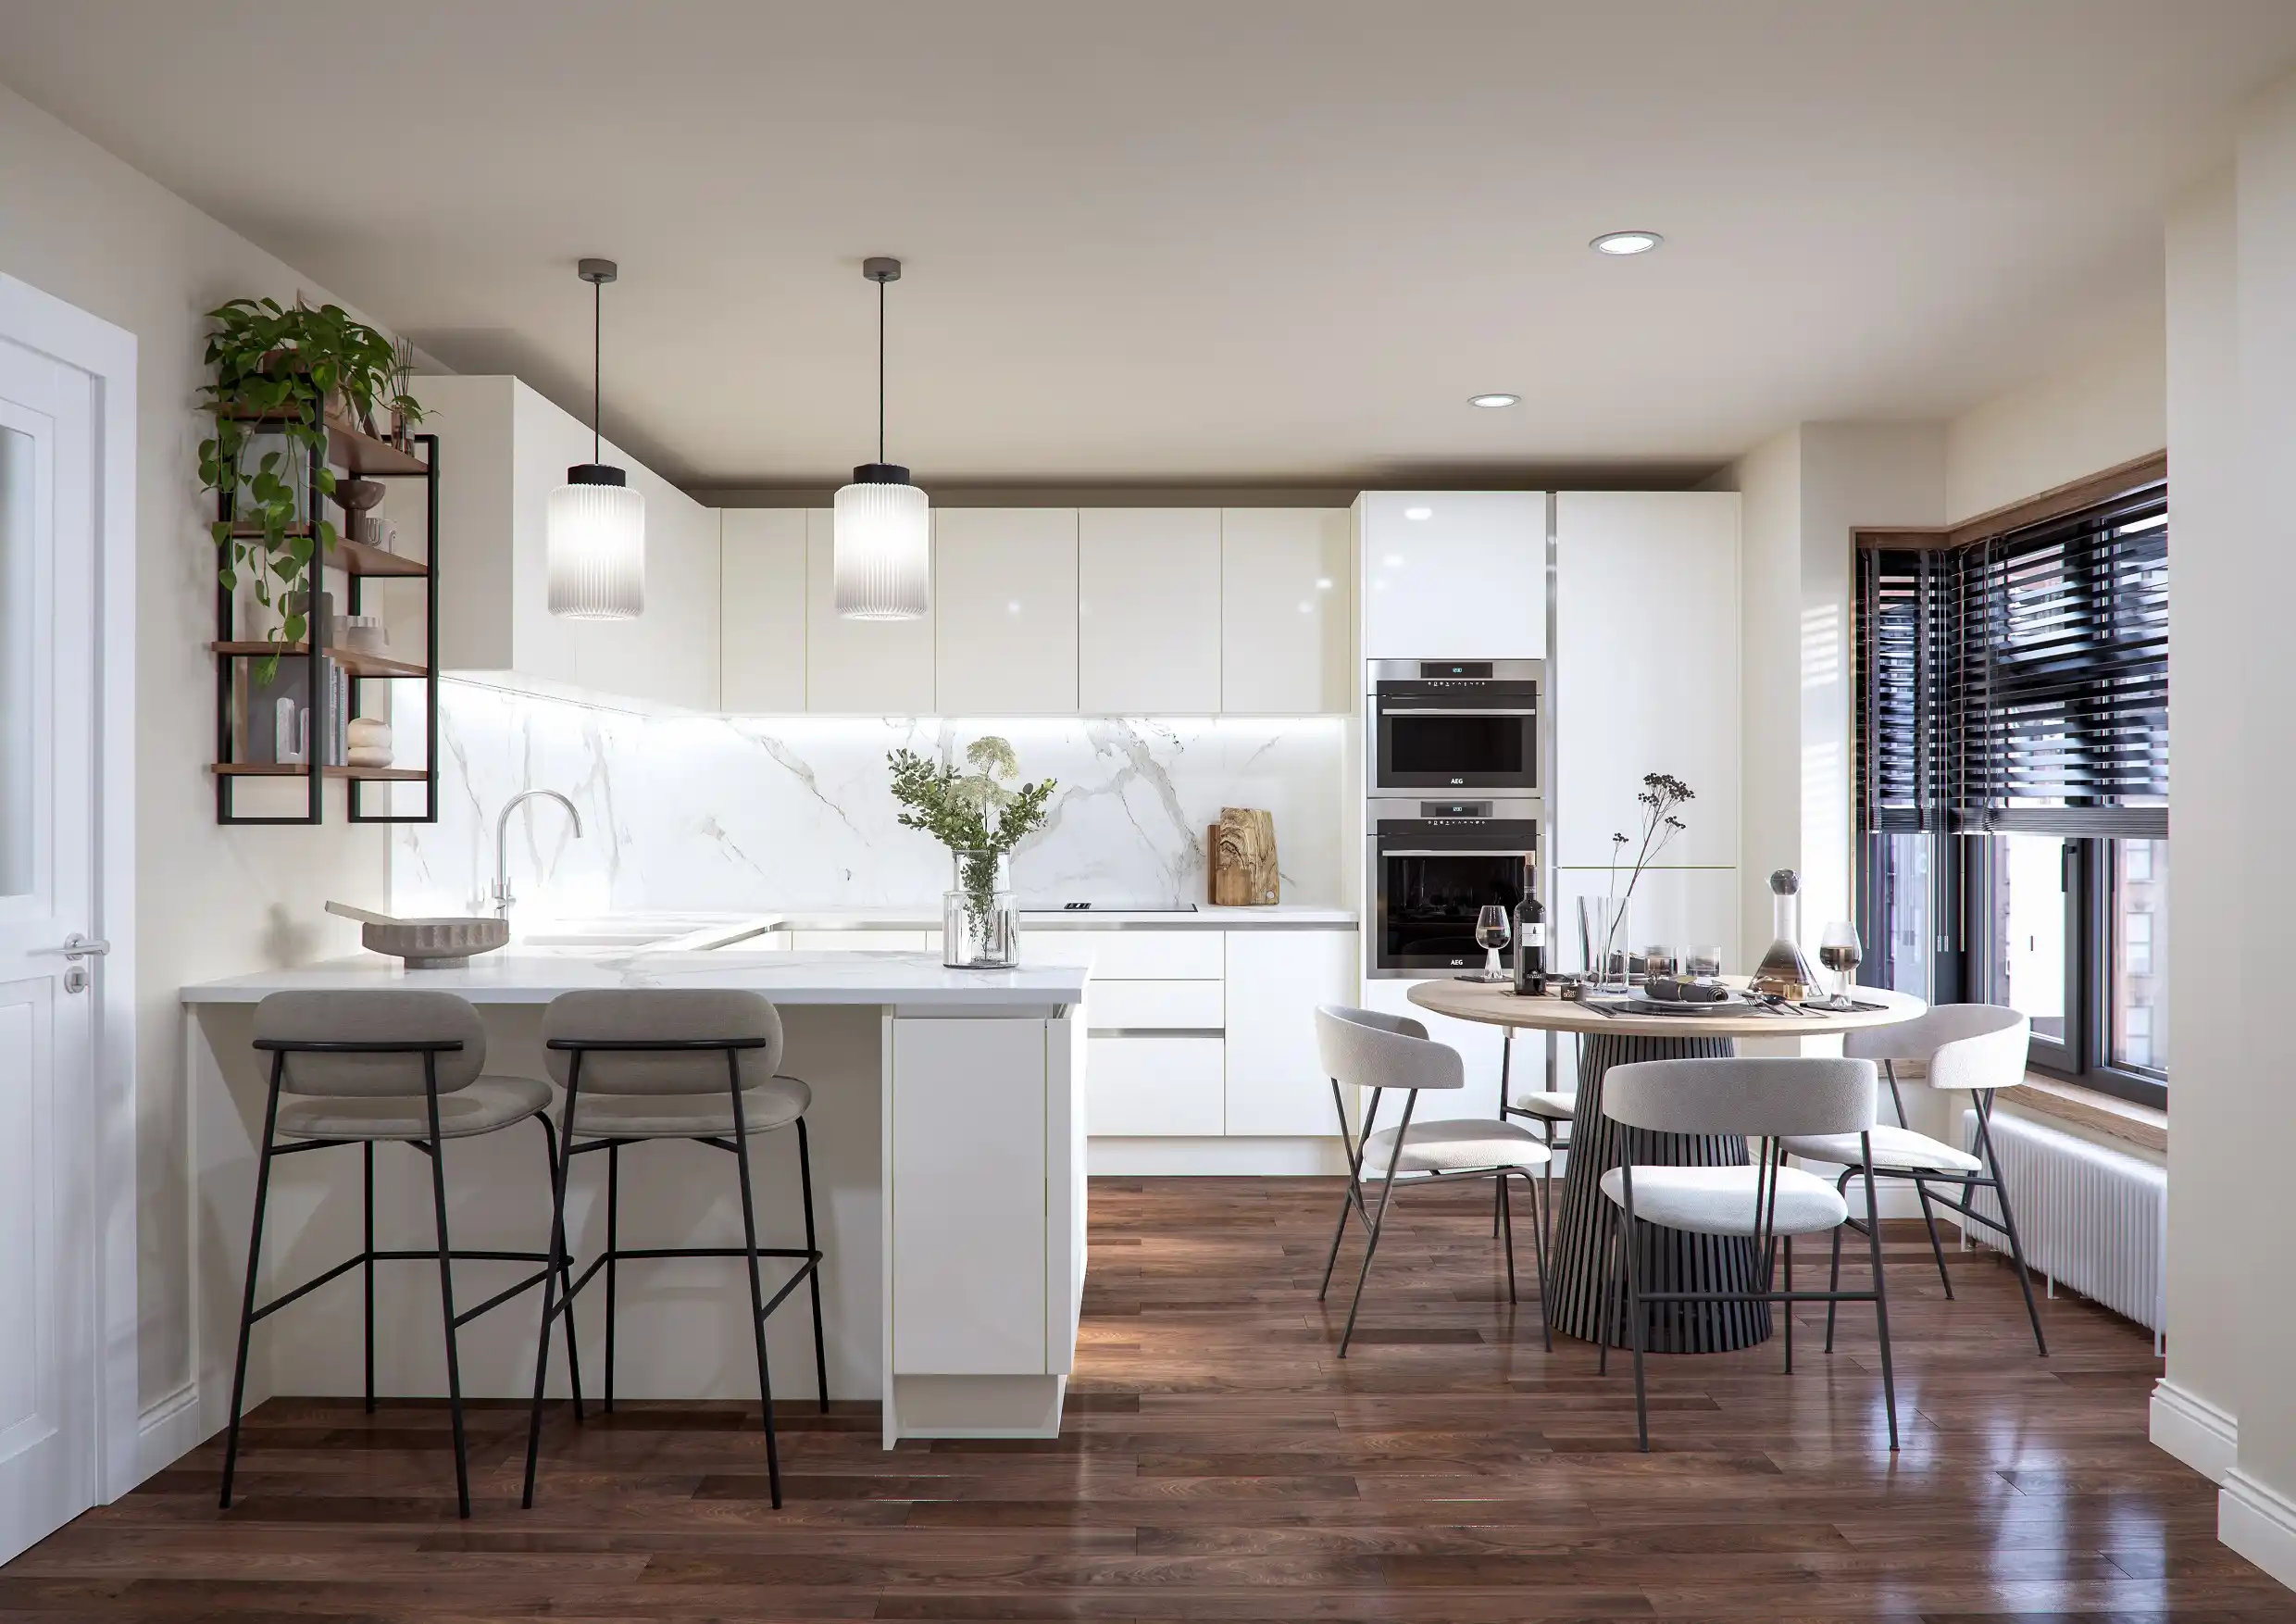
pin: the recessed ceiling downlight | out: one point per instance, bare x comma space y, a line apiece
1620, 243
1493, 402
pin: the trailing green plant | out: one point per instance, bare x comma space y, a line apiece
955, 808
277, 367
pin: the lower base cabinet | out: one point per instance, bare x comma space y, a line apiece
1152, 1087
1275, 1078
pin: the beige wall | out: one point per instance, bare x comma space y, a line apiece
78, 224
2109, 410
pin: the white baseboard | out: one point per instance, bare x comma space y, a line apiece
2259, 1522
167, 1431
2197, 1432
1215, 1158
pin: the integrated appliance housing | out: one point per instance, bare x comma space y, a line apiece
1433, 865
1455, 727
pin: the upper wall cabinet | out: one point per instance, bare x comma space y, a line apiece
1285, 607
1148, 611
762, 609
1005, 597
1455, 575
504, 450
871, 667
1646, 667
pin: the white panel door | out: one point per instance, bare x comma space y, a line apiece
969, 1197
1454, 575
761, 611
1148, 611
868, 668
1004, 600
1285, 604
48, 1233
1276, 1082
1646, 667
1156, 1087
1675, 907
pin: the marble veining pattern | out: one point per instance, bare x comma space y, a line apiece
737, 813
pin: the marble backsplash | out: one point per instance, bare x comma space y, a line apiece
726, 814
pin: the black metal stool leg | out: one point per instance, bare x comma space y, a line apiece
367, 1159
446, 1284
1882, 1298
254, 1256
550, 1276
1507, 1223
820, 1346
613, 1253
1921, 1190
565, 1271
749, 1268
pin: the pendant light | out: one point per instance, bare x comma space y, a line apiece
596, 521
883, 550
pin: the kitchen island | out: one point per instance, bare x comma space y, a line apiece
948, 1152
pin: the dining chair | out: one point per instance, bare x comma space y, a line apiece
1552, 1109
1979, 1047
1765, 1099
1364, 1049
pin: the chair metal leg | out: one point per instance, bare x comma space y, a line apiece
1921, 1189
446, 1283
1371, 1245
613, 1250
820, 1347
1634, 1310
1506, 1224
550, 1276
254, 1257
1506, 1059
1833, 1280
2008, 1219
1609, 1299
1786, 1309
565, 1272
1352, 1196
1538, 1253
1889, 1069
749, 1268
367, 1159
1882, 1297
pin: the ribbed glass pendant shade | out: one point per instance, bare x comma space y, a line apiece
597, 546
882, 547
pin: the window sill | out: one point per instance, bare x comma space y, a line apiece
2102, 1113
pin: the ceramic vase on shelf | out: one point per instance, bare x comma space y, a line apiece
980, 921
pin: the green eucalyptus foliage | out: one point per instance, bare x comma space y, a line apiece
954, 805
276, 367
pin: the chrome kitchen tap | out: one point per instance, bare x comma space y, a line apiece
503, 899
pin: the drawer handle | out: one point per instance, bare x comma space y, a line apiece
1156, 1032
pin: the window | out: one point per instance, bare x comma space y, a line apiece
2012, 764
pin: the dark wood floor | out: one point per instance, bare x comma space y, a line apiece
1220, 1464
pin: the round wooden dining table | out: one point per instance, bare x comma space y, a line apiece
1667, 1260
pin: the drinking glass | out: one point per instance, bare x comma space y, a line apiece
1840, 950
1602, 924
1702, 962
1491, 930
1658, 961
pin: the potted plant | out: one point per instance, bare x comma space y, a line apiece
278, 372
979, 924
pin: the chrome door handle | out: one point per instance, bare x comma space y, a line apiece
78, 947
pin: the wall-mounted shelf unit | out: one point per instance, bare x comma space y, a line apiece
361, 456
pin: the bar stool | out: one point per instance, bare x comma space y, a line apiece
367, 1067
1552, 1109
679, 1063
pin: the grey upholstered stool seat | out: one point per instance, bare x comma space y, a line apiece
775, 1103
1554, 1105
1729, 1201
480, 1107
1896, 1149
648, 1065
1474, 1145
380, 1067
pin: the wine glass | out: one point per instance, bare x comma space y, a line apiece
1840, 950
1492, 931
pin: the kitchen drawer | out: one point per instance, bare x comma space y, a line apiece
1132, 955
1153, 1087
1134, 1006
862, 940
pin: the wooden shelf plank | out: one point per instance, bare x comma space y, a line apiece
288, 769
354, 557
362, 453
358, 665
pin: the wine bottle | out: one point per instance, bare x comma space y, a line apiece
1530, 936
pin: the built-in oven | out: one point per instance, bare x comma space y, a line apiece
1435, 865
1455, 726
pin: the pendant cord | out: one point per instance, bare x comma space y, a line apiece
597, 364
881, 371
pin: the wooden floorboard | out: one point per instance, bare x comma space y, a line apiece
1220, 1463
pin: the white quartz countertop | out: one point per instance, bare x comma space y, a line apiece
910, 980
1282, 917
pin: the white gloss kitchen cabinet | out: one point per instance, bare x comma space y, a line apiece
1286, 606
1275, 1080
1148, 611
762, 609
1005, 604
1458, 575
504, 449
867, 667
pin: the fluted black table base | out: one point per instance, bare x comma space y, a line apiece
1668, 1260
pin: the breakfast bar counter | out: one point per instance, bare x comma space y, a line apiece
948, 1157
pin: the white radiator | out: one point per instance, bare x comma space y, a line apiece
2094, 1218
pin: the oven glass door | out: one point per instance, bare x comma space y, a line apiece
1428, 903
1490, 745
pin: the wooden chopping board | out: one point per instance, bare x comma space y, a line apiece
1242, 859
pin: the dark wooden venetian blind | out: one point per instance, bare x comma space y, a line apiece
1898, 684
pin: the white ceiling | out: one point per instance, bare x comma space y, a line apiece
1197, 241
